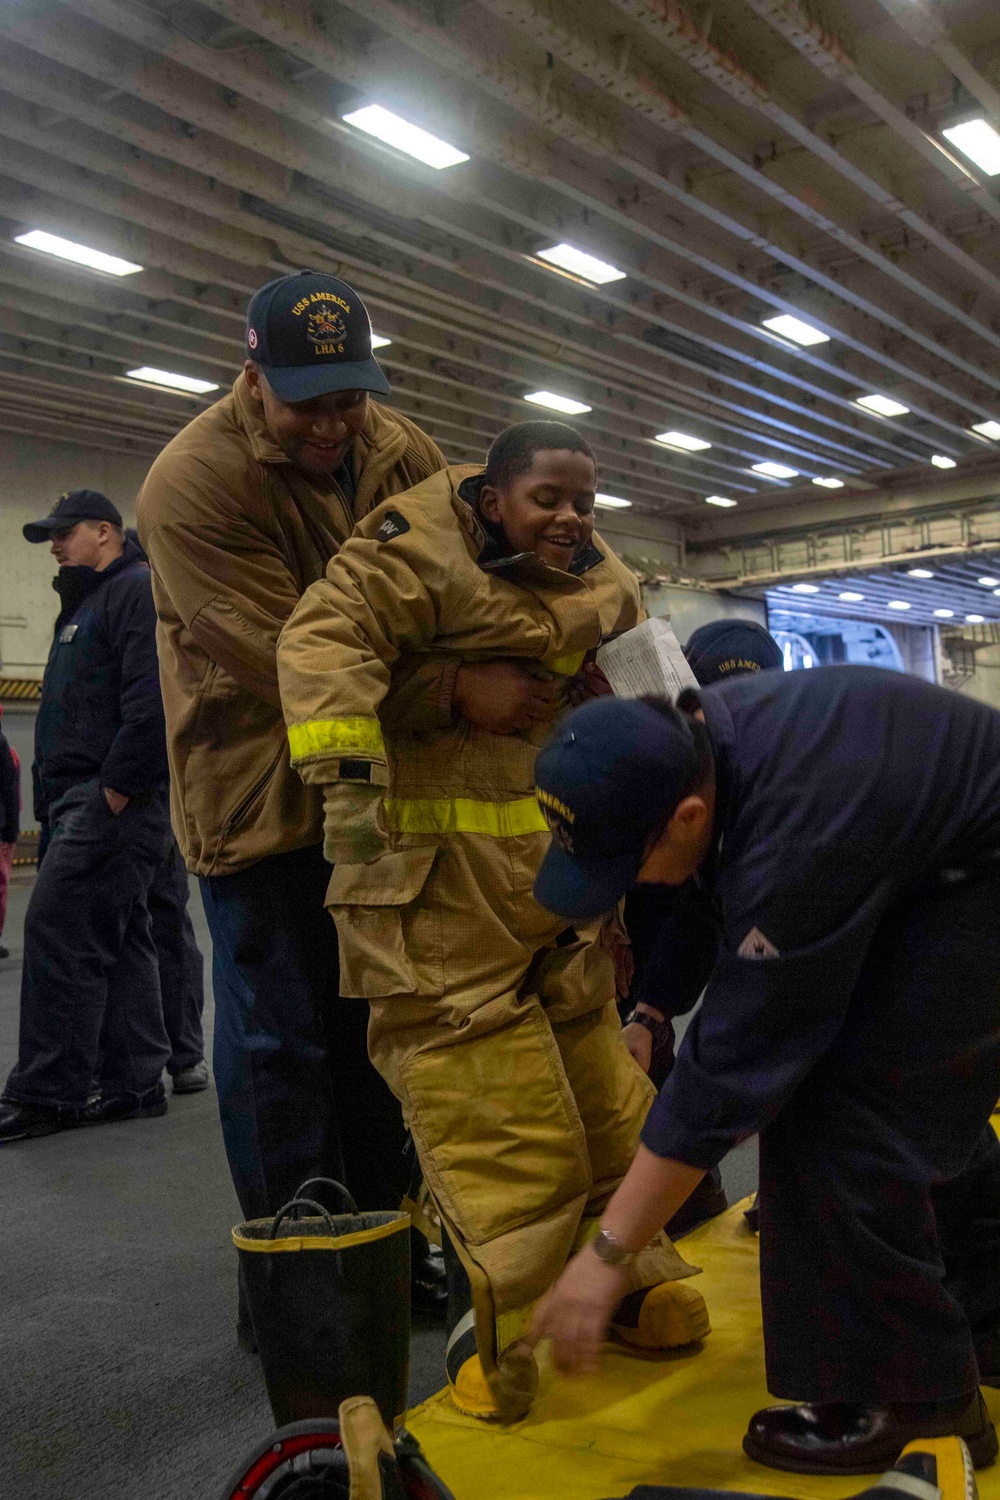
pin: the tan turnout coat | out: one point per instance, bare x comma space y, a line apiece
493, 1021
235, 534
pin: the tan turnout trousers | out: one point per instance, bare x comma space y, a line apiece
495, 1025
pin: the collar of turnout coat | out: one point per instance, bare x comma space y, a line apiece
495, 555
379, 445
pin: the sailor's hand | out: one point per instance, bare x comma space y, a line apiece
353, 831
589, 682
576, 1312
503, 697
640, 1044
117, 801
616, 943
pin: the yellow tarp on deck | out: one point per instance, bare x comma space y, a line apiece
669, 1420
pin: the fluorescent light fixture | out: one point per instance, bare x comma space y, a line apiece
975, 619
81, 255
564, 404
379, 341
829, 484
899, 604
944, 614
988, 583
173, 382
682, 440
988, 429
979, 142
941, 461
776, 471
579, 263
805, 588
612, 502
722, 501
919, 573
395, 131
850, 597
883, 405
794, 328
996, 591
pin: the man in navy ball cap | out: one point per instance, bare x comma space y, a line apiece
239, 514
842, 826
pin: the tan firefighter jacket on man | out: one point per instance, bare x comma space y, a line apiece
493, 1022
235, 533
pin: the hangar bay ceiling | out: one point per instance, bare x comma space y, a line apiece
752, 246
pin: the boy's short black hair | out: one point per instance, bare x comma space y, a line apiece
513, 452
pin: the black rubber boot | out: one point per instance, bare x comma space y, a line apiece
329, 1300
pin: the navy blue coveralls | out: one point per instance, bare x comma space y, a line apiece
852, 1017
90, 993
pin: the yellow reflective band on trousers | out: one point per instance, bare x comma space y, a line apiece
357, 735
499, 820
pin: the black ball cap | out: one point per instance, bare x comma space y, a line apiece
311, 334
78, 505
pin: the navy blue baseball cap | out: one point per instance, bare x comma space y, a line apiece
78, 505
311, 334
607, 779
731, 648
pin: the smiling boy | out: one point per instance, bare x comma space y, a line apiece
493, 1022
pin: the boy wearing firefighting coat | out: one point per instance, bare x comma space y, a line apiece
493, 1022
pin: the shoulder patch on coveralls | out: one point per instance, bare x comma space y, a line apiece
394, 525
756, 945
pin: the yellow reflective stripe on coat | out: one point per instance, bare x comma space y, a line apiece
358, 735
499, 820
567, 666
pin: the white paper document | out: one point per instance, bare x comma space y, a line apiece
646, 660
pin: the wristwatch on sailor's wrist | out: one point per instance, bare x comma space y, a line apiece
643, 1018
610, 1250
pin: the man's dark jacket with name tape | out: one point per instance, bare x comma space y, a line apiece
840, 791
101, 712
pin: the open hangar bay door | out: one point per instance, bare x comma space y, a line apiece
939, 619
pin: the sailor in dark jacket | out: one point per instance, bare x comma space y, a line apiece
843, 825
90, 995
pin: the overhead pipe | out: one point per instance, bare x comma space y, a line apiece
825, 51
212, 205
927, 29
142, 28
538, 17
670, 24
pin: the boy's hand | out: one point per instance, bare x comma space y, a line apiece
352, 829
503, 697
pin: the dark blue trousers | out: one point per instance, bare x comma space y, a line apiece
181, 966
298, 1096
90, 990
880, 1178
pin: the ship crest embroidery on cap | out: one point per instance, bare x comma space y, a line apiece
326, 329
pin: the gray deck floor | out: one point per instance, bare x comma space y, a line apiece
120, 1375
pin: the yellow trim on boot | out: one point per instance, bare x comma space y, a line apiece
956, 1478
672, 1314
471, 1393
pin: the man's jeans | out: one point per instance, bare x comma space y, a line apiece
182, 982
90, 990
298, 1096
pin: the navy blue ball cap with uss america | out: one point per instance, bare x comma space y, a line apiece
731, 648
611, 773
311, 334
78, 505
